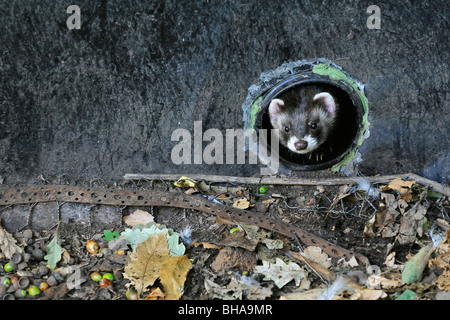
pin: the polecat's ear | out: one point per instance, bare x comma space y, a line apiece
275, 107
326, 100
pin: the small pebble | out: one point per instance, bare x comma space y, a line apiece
262, 207
22, 266
27, 234
51, 281
43, 270
104, 294
38, 254
26, 257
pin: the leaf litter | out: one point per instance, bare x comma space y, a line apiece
401, 226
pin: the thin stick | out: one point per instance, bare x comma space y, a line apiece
293, 181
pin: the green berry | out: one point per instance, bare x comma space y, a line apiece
262, 189
23, 292
33, 290
108, 276
6, 282
8, 267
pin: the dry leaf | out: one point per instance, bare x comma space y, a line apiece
155, 294
138, 217
350, 263
316, 255
8, 244
400, 185
368, 294
280, 272
144, 265
191, 191
411, 223
65, 256
242, 203
185, 182
228, 222
443, 282
390, 262
219, 292
323, 272
378, 281
205, 245
403, 187
344, 191
312, 294
236, 289
239, 239
229, 258
173, 276
223, 196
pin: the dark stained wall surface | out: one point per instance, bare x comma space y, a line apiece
103, 100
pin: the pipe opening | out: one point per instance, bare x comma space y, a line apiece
344, 131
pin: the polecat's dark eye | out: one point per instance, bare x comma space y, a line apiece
313, 125
286, 129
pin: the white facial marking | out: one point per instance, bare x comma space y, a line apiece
291, 143
312, 144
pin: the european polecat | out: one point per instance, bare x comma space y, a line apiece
305, 116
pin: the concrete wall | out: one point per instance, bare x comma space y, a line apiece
104, 100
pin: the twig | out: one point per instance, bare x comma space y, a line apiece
440, 188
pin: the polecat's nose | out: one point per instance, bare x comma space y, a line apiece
301, 145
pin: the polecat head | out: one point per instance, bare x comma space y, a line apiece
307, 125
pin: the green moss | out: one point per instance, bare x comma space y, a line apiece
254, 110
337, 75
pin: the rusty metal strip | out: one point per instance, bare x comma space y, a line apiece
125, 197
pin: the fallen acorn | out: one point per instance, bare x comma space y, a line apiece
43, 286
108, 276
16, 258
8, 267
20, 293
14, 279
104, 283
9, 296
6, 282
92, 246
33, 291
21, 283
131, 295
96, 276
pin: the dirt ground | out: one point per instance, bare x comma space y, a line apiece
363, 222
